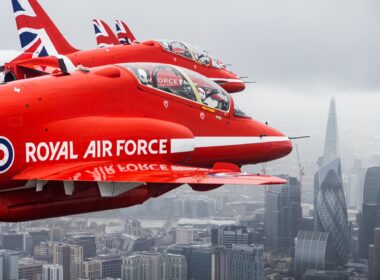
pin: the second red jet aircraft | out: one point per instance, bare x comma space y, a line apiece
42, 43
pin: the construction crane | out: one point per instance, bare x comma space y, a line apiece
301, 168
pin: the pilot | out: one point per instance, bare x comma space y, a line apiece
203, 59
166, 45
202, 94
143, 76
208, 98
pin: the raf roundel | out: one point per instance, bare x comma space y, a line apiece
6, 154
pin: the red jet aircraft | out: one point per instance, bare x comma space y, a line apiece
42, 43
116, 136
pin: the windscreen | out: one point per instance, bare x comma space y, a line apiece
192, 52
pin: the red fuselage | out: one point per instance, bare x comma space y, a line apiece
55, 119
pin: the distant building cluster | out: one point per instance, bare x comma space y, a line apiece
94, 256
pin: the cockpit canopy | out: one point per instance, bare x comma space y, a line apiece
192, 52
181, 82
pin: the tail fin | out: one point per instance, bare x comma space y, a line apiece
104, 34
124, 34
38, 34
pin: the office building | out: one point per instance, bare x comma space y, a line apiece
184, 235
203, 262
174, 267
183, 250
246, 262
208, 263
228, 235
86, 240
9, 264
313, 251
52, 272
44, 252
370, 218
145, 243
374, 257
283, 215
154, 266
39, 235
70, 257
30, 269
131, 268
110, 265
133, 227
14, 241
92, 269
127, 242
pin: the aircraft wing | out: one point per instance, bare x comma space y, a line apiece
119, 171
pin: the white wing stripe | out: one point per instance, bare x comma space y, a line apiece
189, 144
204, 142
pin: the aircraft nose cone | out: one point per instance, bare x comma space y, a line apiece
281, 149
233, 86
287, 147
238, 87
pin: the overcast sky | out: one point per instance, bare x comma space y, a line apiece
294, 42
299, 52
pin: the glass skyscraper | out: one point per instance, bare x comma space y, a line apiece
329, 200
371, 193
246, 262
374, 257
283, 214
370, 210
314, 250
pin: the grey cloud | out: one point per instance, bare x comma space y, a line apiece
299, 44
8, 55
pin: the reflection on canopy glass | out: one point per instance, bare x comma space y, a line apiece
210, 93
163, 77
183, 83
192, 52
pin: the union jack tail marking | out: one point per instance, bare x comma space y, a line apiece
104, 34
124, 34
39, 36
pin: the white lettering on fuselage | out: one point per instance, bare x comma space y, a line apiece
51, 151
141, 147
96, 149
169, 81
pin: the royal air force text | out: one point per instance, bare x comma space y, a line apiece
96, 149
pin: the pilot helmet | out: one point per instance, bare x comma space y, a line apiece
143, 76
166, 45
202, 93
